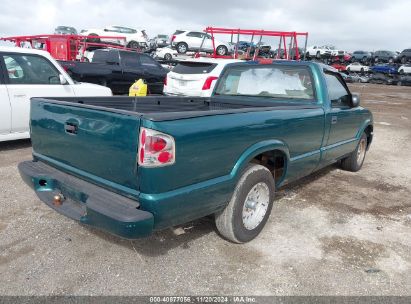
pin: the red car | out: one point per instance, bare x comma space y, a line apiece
340, 67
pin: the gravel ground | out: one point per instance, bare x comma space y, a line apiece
333, 233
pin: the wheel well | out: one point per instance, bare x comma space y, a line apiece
368, 131
275, 161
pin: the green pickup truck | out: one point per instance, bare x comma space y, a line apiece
131, 166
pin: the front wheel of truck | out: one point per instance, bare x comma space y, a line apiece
250, 206
354, 161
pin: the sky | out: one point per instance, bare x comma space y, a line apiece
349, 25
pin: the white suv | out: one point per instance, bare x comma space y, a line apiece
184, 41
134, 38
323, 51
195, 77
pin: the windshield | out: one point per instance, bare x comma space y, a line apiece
275, 81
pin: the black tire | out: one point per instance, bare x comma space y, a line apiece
362, 70
348, 70
403, 60
230, 222
95, 40
133, 45
182, 48
221, 50
318, 55
168, 56
354, 161
399, 83
401, 72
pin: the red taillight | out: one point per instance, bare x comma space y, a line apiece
165, 80
155, 144
155, 148
173, 37
208, 82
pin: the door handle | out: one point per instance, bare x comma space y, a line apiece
19, 95
333, 120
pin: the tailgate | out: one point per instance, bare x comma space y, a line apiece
96, 145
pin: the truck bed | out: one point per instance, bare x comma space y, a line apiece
159, 108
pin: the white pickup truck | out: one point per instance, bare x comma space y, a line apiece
26, 73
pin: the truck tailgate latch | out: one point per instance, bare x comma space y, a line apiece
71, 128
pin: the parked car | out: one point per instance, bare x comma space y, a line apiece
118, 69
405, 56
347, 78
381, 78
385, 56
339, 67
165, 53
323, 51
405, 69
135, 39
357, 67
191, 41
384, 69
131, 166
404, 80
195, 77
160, 41
25, 73
362, 56
363, 78
65, 30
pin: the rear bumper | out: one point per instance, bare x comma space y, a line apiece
86, 202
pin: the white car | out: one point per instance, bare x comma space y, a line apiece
165, 53
405, 69
323, 51
184, 41
357, 67
134, 38
32, 73
195, 77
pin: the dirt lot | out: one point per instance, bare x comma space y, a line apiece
334, 233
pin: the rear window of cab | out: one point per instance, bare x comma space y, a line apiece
268, 81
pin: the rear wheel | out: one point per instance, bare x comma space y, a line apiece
222, 50
250, 206
133, 45
94, 39
318, 55
354, 161
168, 56
182, 48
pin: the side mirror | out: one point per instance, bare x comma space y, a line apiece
355, 100
62, 80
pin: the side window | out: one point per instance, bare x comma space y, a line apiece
337, 91
105, 57
195, 34
30, 69
130, 59
147, 61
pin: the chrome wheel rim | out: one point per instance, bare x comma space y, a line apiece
220, 51
182, 48
361, 151
255, 206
